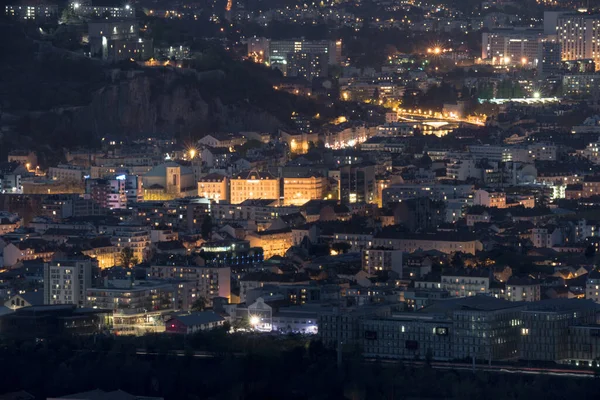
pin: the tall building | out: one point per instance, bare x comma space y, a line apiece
512, 46
66, 281
382, 259
550, 57
254, 184
169, 181
307, 65
107, 193
579, 36
357, 184
31, 12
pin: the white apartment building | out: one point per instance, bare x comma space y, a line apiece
522, 289
378, 259
66, 282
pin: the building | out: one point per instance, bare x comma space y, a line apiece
214, 187
254, 184
89, 10
581, 85
592, 286
280, 49
512, 46
546, 326
273, 242
194, 322
107, 193
47, 321
522, 289
465, 283
68, 173
117, 39
169, 181
550, 61
307, 65
380, 259
299, 190
31, 12
210, 282
222, 140
578, 36
66, 281
357, 184
488, 198
446, 242
135, 237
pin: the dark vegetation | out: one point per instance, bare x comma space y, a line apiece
250, 367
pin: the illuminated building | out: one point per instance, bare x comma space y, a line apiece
135, 237
280, 49
31, 12
273, 243
169, 181
214, 186
298, 191
103, 251
66, 281
512, 46
254, 184
226, 140
299, 143
578, 35
581, 85
85, 8
489, 198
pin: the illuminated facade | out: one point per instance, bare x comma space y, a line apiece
254, 184
169, 181
214, 187
31, 12
65, 282
579, 37
297, 191
512, 46
273, 243
299, 143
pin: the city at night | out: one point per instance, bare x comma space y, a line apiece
277, 199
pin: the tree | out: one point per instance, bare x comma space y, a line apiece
199, 304
126, 258
206, 227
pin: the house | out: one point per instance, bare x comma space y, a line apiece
25, 300
194, 322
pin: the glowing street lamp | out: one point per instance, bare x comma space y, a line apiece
192, 154
254, 321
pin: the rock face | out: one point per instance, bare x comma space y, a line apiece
161, 101
54, 97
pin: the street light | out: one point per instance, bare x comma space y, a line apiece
192, 154
254, 320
